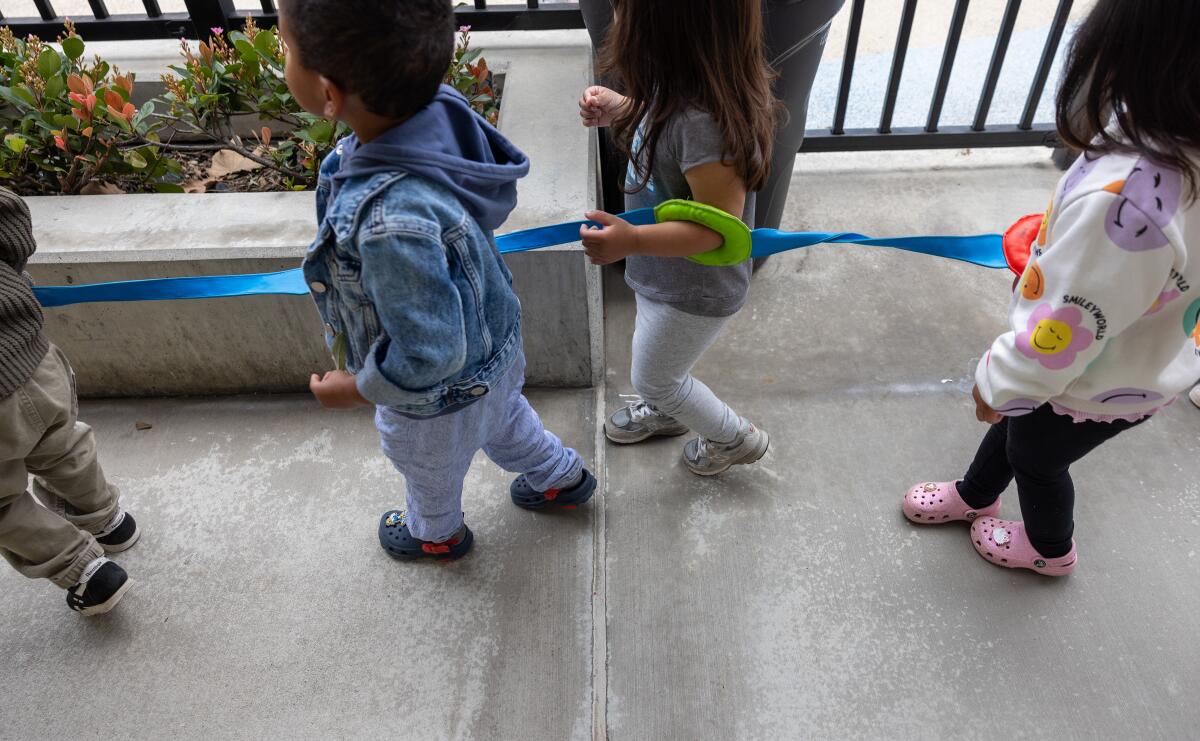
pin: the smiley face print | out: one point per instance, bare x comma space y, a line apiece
1163, 299
1082, 167
1018, 408
1128, 396
1050, 337
1191, 321
1146, 202
1054, 337
1045, 227
1033, 282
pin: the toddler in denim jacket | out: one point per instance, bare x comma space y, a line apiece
417, 303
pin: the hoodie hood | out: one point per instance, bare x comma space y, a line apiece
450, 144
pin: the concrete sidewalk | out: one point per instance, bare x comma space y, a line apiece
786, 600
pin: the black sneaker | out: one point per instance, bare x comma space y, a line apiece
119, 534
101, 587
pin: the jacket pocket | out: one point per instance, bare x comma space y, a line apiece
458, 244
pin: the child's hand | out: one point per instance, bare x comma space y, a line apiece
336, 390
611, 242
598, 105
983, 412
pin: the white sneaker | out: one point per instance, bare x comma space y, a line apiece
1194, 395
639, 421
706, 458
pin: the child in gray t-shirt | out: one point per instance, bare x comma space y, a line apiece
690, 139
697, 122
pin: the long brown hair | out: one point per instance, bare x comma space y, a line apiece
1132, 84
669, 55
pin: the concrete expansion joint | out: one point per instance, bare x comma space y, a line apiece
600, 575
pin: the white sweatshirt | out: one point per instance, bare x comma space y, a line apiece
1106, 319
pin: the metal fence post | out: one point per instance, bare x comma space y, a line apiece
209, 14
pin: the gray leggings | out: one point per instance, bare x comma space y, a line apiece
795, 32
666, 344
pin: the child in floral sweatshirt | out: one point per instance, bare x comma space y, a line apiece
1105, 322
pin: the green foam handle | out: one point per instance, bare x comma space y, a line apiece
738, 242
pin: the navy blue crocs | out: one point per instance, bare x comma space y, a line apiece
525, 496
399, 542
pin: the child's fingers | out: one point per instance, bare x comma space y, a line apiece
603, 218
589, 232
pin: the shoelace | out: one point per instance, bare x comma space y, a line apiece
640, 410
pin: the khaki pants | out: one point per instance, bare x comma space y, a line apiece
40, 434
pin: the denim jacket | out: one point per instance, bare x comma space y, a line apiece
413, 292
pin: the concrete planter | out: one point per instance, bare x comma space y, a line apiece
273, 343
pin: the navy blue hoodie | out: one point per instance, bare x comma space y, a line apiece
450, 144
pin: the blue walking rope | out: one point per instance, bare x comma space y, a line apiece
985, 250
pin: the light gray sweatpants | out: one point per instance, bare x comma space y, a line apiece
435, 454
667, 343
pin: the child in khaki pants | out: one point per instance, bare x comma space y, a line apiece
64, 536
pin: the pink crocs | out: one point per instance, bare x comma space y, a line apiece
935, 503
1004, 543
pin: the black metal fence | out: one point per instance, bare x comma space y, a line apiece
204, 15
1024, 132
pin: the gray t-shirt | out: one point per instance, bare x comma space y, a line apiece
691, 138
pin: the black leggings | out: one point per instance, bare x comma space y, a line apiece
1037, 449
794, 35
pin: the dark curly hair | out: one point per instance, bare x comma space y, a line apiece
1132, 83
392, 53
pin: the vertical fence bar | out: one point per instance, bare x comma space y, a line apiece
268, 6
948, 55
209, 14
152, 8
997, 63
531, 4
893, 88
1049, 52
45, 9
843, 98
480, 4
99, 9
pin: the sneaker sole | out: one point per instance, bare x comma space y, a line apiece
110, 603
122, 547
639, 437
753, 456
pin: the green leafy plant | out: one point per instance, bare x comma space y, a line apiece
69, 126
238, 75
469, 74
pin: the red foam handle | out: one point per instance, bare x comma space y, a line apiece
1019, 239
